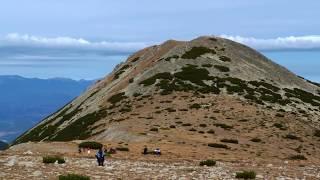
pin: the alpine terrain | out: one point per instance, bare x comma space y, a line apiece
208, 98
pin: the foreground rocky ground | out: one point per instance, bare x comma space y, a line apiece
26, 163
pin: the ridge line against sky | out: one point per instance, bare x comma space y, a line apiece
81, 58
15, 40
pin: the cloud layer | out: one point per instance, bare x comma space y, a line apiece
14, 40
280, 43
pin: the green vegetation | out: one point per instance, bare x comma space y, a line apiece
73, 177
298, 157
232, 141
186, 124
207, 65
222, 68
193, 74
117, 98
154, 129
79, 129
317, 133
171, 57
195, 106
246, 175
120, 71
264, 84
153, 79
304, 96
213, 39
292, 137
280, 126
90, 145
225, 59
135, 59
211, 131
255, 140
208, 162
223, 126
216, 145
197, 52
53, 159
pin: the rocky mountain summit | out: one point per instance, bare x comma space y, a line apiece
212, 94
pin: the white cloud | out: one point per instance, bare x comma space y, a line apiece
75, 44
18, 40
281, 43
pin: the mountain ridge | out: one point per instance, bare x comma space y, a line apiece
197, 92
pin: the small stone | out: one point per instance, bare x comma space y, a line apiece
37, 173
259, 176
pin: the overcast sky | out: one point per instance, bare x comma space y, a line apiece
46, 38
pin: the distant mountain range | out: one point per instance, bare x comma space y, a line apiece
25, 101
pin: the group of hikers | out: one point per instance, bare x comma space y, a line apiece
101, 153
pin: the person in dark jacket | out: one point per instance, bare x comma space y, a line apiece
145, 150
100, 157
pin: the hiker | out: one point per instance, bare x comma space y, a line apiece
157, 151
145, 150
100, 157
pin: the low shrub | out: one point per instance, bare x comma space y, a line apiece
203, 125
255, 140
195, 106
117, 98
298, 157
90, 145
246, 175
291, 136
279, 126
222, 68
224, 126
233, 141
216, 145
195, 52
207, 65
317, 133
211, 131
154, 129
208, 162
53, 159
225, 59
186, 124
73, 177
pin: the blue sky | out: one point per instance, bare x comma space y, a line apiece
86, 39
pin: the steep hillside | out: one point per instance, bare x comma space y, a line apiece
209, 92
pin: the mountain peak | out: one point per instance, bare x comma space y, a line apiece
195, 91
